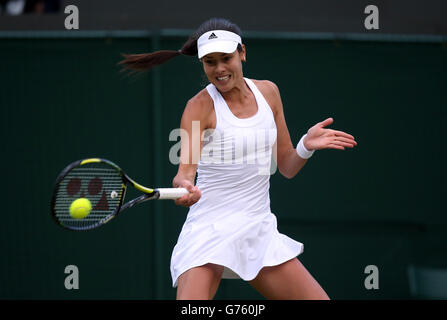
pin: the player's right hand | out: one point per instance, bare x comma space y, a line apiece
188, 199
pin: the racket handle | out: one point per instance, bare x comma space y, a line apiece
171, 193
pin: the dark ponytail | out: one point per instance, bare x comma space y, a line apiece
146, 61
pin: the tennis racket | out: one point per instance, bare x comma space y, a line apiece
103, 184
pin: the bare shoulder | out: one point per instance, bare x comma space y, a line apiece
270, 91
266, 85
201, 102
201, 108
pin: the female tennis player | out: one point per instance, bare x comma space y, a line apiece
230, 231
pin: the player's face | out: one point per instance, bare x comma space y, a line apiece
224, 70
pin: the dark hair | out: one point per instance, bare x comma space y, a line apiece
146, 61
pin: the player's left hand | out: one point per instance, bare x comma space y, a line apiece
318, 137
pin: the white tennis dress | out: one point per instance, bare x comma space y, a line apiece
232, 225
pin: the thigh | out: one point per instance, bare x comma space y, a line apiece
289, 280
199, 283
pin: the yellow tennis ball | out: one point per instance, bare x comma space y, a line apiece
80, 208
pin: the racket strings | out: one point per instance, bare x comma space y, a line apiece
100, 183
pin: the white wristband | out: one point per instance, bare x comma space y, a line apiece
302, 151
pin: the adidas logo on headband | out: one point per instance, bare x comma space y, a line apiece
212, 36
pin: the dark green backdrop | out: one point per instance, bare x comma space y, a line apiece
63, 98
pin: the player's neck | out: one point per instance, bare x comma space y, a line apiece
239, 93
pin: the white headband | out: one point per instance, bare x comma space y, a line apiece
217, 41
